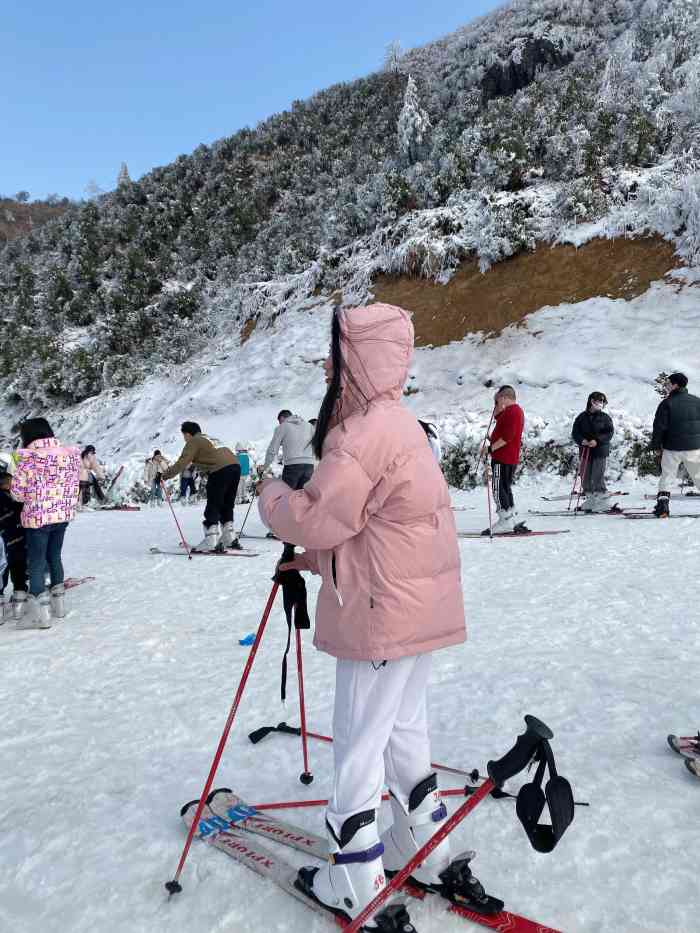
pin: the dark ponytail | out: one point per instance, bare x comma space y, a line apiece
332, 392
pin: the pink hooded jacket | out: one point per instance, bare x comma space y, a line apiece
375, 518
46, 481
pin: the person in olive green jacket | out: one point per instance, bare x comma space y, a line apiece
223, 472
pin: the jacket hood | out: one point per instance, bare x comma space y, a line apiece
377, 346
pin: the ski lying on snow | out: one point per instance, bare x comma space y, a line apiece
222, 835
118, 508
575, 513
608, 495
183, 553
638, 515
678, 495
232, 813
513, 534
71, 582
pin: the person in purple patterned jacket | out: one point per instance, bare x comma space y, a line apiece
46, 480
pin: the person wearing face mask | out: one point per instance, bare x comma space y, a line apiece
593, 430
676, 438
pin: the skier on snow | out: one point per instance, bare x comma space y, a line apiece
377, 525
46, 480
592, 431
676, 438
504, 445
294, 435
223, 474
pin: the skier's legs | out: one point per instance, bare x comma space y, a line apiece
407, 754
507, 472
596, 473
228, 497
670, 461
496, 487
54, 548
368, 697
17, 567
37, 544
215, 497
586, 479
414, 802
691, 460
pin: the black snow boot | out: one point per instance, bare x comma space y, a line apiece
661, 510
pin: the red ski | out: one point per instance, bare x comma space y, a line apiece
71, 582
512, 534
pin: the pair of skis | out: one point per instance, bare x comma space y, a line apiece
511, 534
228, 824
225, 553
688, 747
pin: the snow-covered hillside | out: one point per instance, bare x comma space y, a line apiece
108, 724
554, 360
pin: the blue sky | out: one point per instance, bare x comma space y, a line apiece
88, 85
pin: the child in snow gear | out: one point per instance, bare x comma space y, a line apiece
676, 438
154, 468
504, 445
592, 431
377, 525
294, 435
244, 460
91, 472
13, 539
46, 480
223, 474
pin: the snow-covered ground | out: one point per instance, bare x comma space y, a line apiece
108, 723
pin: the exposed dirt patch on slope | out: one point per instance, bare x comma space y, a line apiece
511, 290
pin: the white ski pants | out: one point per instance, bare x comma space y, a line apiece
380, 730
671, 460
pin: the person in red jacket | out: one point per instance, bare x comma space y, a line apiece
504, 444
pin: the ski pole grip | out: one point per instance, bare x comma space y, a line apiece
518, 758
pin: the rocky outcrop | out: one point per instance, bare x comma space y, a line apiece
503, 80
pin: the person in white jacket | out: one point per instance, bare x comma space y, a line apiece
294, 435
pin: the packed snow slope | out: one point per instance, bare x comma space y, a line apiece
109, 721
554, 359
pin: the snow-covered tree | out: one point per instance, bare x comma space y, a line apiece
123, 176
414, 124
393, 56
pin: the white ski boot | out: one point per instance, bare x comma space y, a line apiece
229, 538
210, 539
354, 875
504, 524
413, 826
37, 613
19, 602
589, 503
58, 601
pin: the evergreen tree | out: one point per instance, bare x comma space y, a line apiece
414, 124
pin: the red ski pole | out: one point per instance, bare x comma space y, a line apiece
582, 482
583, 460
184, 542
306, 777
172, 887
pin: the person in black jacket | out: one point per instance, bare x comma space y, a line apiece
676, 438
592, 431
12, 535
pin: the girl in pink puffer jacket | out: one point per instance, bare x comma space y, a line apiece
376, 523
